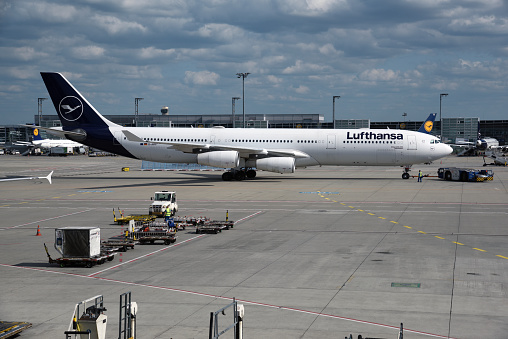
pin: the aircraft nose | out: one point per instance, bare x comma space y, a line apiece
447, 149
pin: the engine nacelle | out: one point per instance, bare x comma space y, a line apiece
222, 159
278, 165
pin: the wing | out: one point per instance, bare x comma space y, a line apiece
244, 152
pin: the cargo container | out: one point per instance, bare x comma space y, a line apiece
78, 242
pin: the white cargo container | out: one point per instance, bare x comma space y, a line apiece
78, 242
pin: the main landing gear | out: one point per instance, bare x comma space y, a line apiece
405, 175
239, 174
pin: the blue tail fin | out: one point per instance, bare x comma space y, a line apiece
80, 120
37, 134
428, 124
72, 108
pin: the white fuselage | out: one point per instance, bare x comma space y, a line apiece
361, 147
48, 143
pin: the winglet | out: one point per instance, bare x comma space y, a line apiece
428, 124
47, 177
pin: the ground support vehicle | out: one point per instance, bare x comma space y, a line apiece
464, 174
162, 200
191, 221
226, 224
210, 228
81, 261
153, 231
182, 225
10, 329
117, 245
60, 151
136, 217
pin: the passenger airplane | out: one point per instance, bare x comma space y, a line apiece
48, 143
241, 150
38, 142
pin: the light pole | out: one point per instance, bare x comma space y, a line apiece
440, 119
39, 108
243, 76
136, 106
334, 97
233, 109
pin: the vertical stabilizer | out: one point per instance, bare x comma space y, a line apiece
428, 124
72, 108
37, 134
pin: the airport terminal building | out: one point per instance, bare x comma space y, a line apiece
452, 128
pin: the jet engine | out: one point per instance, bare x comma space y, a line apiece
222, 159
278, 165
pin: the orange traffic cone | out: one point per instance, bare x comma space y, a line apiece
38, 231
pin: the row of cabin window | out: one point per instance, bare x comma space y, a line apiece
188, 140
368, 142
281, 141
204, 140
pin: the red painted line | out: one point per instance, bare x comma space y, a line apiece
228, 298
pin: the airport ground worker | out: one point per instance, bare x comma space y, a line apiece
168, 213
420, 176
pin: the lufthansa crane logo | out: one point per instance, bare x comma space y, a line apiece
70, 108
36, 132
428, 126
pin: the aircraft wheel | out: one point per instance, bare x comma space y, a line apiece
240, 175
227, 176
405, 175
250, 174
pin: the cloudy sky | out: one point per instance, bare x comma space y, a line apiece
383, 57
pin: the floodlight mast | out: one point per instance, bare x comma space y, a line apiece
233, 109
243, 76
39, 109
440, 118
136, 113
333, 117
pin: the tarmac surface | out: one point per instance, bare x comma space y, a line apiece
321, 253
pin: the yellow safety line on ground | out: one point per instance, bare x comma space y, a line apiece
395, 222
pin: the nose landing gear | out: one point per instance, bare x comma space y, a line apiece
405, 175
